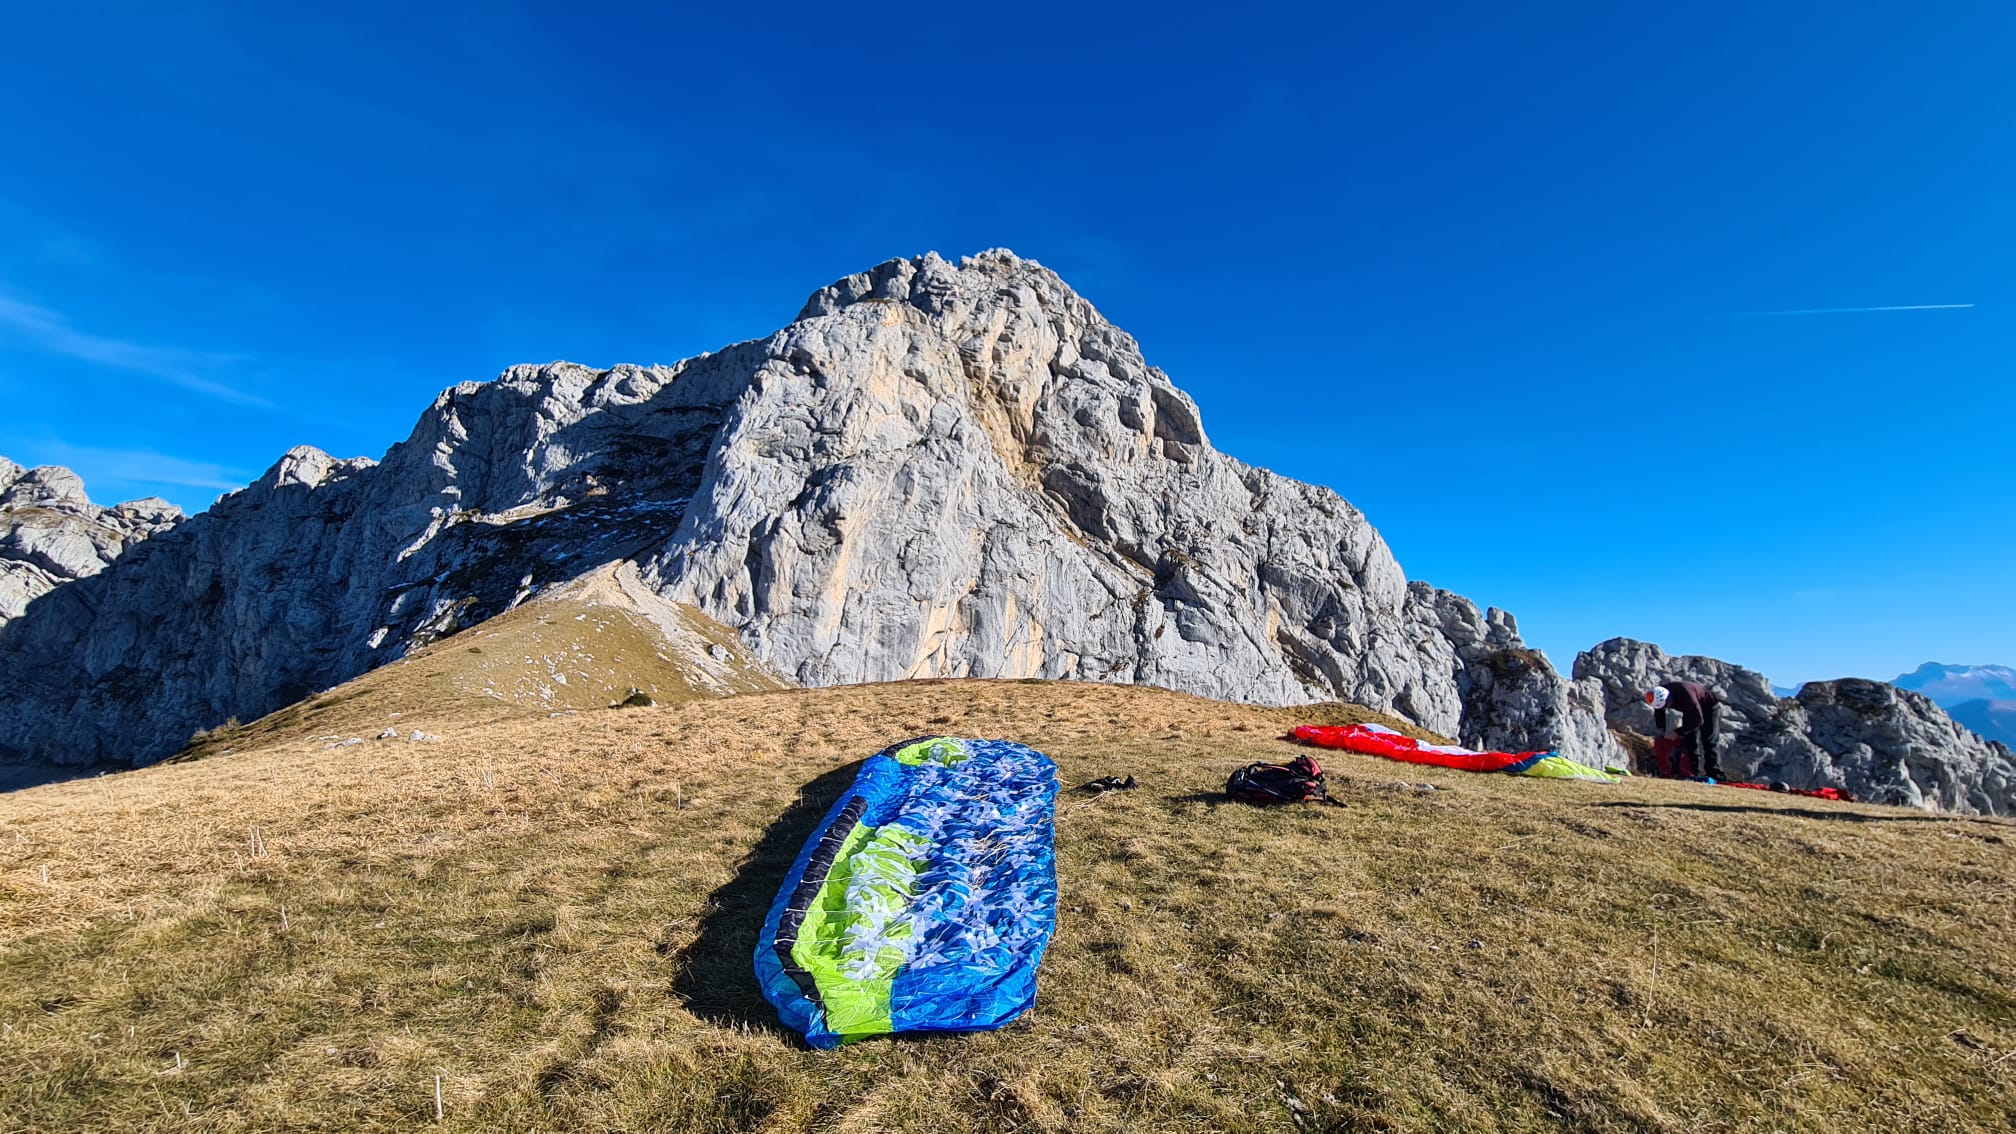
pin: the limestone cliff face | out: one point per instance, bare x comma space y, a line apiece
936, 470
1882, 743
51, 532
944, 470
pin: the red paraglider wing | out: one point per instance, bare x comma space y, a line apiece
1373, 740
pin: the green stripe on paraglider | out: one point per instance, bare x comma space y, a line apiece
865, 894
931, 750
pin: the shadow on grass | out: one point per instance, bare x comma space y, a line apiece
1801, 812
1213, 800
17, 775
715, 976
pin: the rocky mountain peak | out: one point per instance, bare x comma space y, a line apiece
304, 466
51, 533
50, 486
938, 287
936, 470
997, 308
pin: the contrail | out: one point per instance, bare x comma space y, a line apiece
1855, 310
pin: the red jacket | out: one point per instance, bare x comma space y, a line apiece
1691, 701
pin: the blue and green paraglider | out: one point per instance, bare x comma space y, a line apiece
923, 901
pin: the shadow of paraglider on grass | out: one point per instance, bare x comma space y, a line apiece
714, 976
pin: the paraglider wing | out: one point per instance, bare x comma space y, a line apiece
923, 901
1378, 740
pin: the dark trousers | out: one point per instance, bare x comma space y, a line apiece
1697, 755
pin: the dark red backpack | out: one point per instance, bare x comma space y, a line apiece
1293, 782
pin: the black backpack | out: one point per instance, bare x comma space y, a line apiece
1293, 782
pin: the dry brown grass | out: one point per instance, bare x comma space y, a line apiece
581, 649
555, 916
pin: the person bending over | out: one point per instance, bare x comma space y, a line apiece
1691, 713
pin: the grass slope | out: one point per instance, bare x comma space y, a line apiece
554, 916
587, 645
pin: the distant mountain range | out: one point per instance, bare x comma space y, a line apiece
1982, 697
1991, 720
1954, 684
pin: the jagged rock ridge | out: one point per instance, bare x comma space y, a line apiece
1884, 744
51, 533
936, 470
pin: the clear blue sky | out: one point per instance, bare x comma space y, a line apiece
1491, 271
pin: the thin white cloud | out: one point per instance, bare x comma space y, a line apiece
131, 467
1856, 310
117, 473
51, 332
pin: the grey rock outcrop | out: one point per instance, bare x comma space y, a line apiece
936, 470
51, 533
1887, 745
1879, 742
1513, 700
1625, 669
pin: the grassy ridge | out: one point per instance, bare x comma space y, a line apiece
555, 915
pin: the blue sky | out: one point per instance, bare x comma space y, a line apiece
1492, 271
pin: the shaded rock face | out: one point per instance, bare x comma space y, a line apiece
51, 533
936, 470
323, 569
1512, 698
1882, 743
